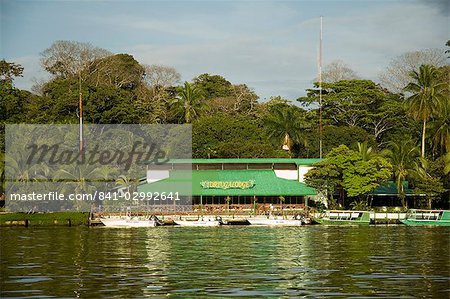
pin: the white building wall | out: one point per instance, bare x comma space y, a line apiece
156, 175
302, 170
286, 174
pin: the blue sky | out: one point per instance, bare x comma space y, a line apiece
269, 45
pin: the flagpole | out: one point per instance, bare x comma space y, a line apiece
81, 116
320, 92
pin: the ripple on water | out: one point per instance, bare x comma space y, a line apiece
360, 262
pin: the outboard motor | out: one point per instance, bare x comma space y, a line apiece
157, 221
218, 218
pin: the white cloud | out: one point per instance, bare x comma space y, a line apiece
371, 40
287, 65
270, 46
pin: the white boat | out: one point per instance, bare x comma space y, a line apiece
264, 221
199, 222
128, 222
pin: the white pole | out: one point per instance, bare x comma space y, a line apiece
81, 114
320, 92
81, 124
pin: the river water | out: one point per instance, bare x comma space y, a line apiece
312, 262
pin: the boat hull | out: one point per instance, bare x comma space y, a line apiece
425, 222
334, 217
341, 222
197, 223
274, 222
113, 222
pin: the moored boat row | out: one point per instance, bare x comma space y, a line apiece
332, 217
209, 221
413, 217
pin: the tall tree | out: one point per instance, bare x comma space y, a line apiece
440, 129
222, 135
161, 76
396, 76
358, 103
338, 70
189, 102
8, 71
285, 124
68, 58
424, 182
403, 156
13, 101
427, 96
213, 86
119, 70
350, 174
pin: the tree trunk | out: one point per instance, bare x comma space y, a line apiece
423, 138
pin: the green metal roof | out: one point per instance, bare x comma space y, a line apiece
266, 183
309, 161
390, 189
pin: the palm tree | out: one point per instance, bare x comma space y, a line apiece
189, 101
427, 96
80, 177
403, 156
447, 163
364, 150
285, 126
425, 183
440, 129
2, 175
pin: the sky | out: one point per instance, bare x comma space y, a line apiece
271, 46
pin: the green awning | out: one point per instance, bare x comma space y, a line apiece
228, 183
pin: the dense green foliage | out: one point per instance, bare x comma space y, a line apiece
229, 122
225, 136
349, 172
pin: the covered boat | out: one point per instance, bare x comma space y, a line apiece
345, 218
427, 217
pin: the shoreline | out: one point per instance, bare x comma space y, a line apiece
47, 219
44, 219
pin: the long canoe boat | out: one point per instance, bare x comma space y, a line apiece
128, 222
344, 218
199, 221
272, 221
427, 217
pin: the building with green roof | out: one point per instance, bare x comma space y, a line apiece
265, 182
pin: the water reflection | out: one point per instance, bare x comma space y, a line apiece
388, 261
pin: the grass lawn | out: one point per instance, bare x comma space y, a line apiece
44, 219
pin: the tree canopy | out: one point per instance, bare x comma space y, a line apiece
350, 174
410, 106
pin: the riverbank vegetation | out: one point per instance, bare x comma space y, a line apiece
44, 219
372, 133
